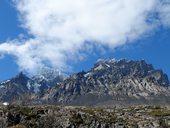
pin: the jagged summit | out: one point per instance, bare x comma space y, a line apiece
120, 62
21, 84
20, 74
14, 89
48, 72
111, 81
131, 68
46, 78
20, 77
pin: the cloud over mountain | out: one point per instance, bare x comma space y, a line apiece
61, 29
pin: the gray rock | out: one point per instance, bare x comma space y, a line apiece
112, 82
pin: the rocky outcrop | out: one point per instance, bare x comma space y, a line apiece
21, 88
14, 89
45, 79
109, 82
112, 82
85, 117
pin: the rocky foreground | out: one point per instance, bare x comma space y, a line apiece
84, 117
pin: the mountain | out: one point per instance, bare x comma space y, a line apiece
112, 82
108, 82
45, 79
15, 88
22, 87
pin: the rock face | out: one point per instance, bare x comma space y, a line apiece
109, 82
22, 87
14, 89
45, 79
112, 82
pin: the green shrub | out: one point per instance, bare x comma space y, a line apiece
161, 113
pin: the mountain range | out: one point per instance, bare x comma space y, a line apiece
108, 82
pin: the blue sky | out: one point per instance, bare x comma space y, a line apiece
8, 29
155, 48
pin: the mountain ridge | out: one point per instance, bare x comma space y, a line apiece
112, 80
108, 82
30, 85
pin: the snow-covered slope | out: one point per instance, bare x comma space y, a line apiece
45, 79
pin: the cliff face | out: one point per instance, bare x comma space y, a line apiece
84, 117
21, 87
14, 89
109, 82
112, 82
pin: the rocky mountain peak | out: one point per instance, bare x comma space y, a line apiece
109, 79
124, 68
20, 79
21, 75
20, 85
46, 78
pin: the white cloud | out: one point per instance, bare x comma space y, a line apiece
164, 10
60, 29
